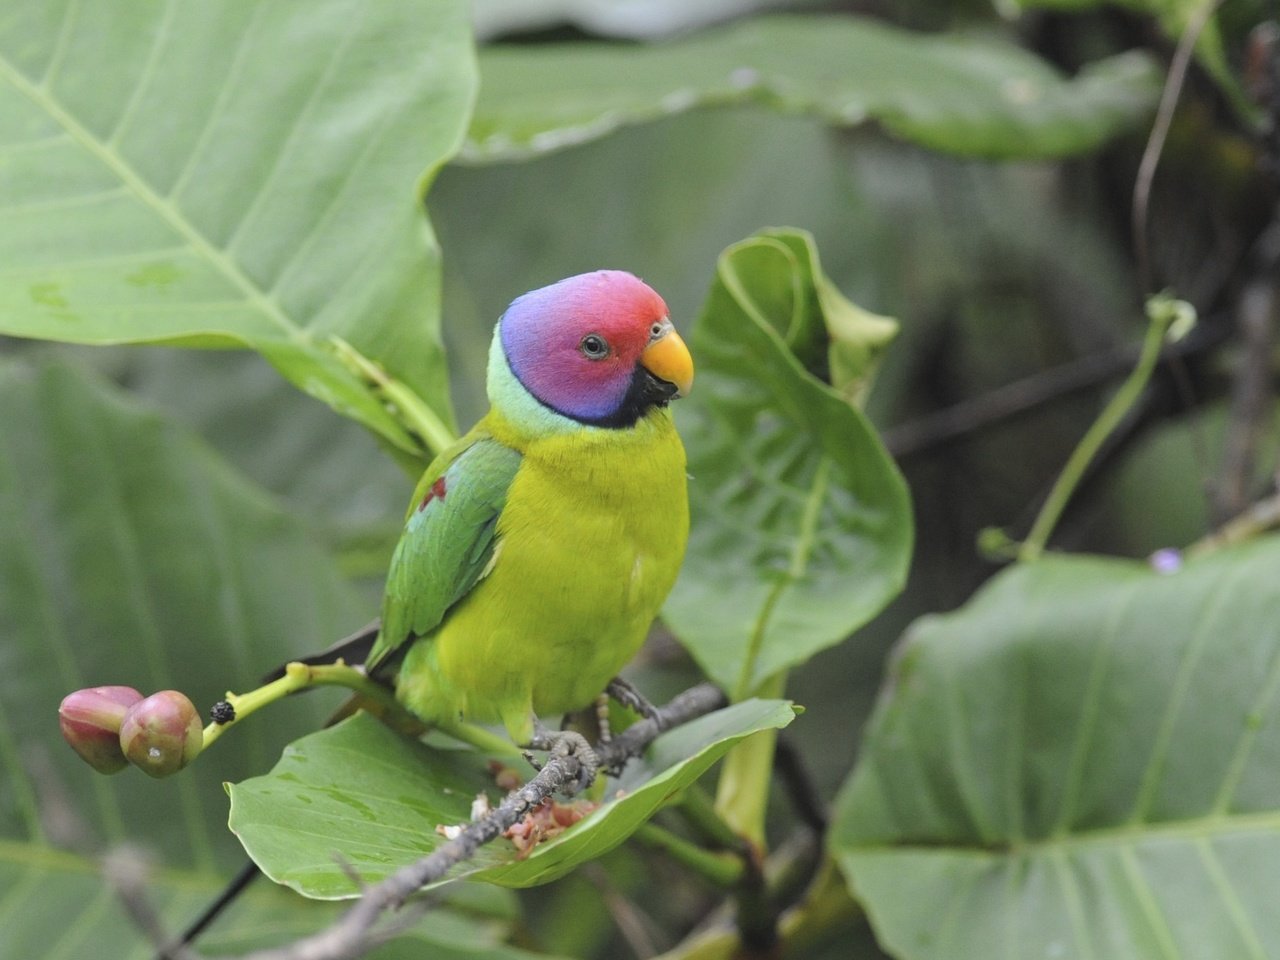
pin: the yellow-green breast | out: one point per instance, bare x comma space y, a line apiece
589, 544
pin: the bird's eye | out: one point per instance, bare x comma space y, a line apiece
655, 331
594, 347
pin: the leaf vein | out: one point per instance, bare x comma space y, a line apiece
263, 189
1181, 687
1075, 908
1249, 730
219, 107
1230, 900
91, 263
69, 15
62, 203
165, 210
1090, 710
1141, 890
305, 243
112, 139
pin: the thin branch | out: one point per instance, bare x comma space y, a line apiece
298, 676
230, 893
1259, 518
1159, 132
125, 871
363, 926
636, 926
1251, 391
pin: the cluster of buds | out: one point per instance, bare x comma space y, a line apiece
111, 727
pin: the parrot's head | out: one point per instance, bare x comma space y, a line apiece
598, 349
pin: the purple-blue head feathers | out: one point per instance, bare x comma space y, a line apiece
598, 348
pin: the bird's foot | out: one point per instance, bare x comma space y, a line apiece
568, 743
627, 695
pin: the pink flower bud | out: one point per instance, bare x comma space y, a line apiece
162, 733
90, 720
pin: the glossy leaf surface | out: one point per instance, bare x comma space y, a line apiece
364, 793
801, 523
956, 94
1081, 762
217, 174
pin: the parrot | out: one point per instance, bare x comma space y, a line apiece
537, 550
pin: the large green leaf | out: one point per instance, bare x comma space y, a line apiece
801, 525
373, 798
133, 555
966, 95
220, 174
610, 18
1081, 762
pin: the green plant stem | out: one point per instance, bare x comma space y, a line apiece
1091, 443
742, 795
827, 911
417, 416
419, 419
699, 811
722, 869
301, 676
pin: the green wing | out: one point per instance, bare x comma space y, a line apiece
448, 540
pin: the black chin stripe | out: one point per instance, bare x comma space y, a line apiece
645, 392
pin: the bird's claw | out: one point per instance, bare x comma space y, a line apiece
568, 743
627, 695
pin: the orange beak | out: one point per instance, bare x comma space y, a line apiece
667, 358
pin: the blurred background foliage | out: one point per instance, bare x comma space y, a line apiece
1014, 279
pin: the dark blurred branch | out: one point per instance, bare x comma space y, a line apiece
1259, 518
1251, 388
636, 926
795, 778
229, 894
125, 872
1022, 396
1258, 308
1159, 132
757, 912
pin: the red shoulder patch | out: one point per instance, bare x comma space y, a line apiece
437, 491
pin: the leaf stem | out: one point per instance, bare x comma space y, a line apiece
418, 418
1168, 317
698, 810
742, 795
722, 869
